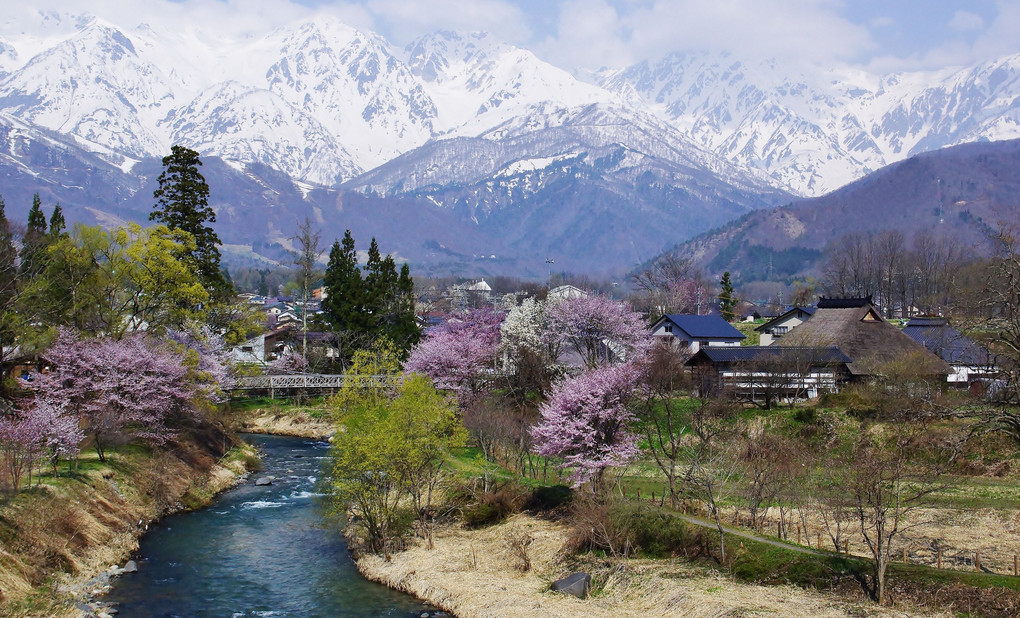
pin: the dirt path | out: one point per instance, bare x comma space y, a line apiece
752, 536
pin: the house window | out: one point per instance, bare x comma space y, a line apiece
779, 331
247, 348
669, 328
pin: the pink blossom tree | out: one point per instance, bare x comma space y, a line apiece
587, 423
19, 447
458, 355
136, 388
598, 328
206, 355
60, 435
291, 362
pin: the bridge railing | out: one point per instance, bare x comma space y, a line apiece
314, 381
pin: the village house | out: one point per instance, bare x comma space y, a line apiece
859, 331
768, 374
971, 363
260, 350
695, 332
783, 324
563, 292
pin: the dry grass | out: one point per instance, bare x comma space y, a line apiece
959, 533
470, 574
272, 421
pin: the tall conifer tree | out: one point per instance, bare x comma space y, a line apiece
182, 202
727, 299
34, 243
58, 225
343, 307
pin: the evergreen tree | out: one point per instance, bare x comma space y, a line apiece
727, 299
343, 307
182, 203
404, 330
8, 258
8, 283
34, 243
377, 282
58, 226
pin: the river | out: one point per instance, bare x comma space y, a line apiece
256, 551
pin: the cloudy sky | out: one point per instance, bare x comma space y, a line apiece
880, 34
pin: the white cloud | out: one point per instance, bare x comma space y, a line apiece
590, 34
595, 33
405, 20
964, 21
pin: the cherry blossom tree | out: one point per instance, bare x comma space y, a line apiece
60, 435
206, 355
458, 355
524, 327
136, 388
598, 328
19, 447
587, 423
528, 359
291, 362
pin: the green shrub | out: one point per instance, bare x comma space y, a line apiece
547, 498
625, 528
493, 506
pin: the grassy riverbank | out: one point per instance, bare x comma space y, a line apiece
58, 534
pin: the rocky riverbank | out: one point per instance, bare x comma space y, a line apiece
64, 539
475, 573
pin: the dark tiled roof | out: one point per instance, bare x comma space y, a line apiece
704, 326
949, 344
843, 303
756, 353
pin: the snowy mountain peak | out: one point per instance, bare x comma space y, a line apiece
445, 54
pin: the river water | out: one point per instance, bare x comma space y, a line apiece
256, 551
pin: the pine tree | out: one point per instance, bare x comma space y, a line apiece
8, 258
182, 202
404, 330
376, 284
727, 299
58, 226
34, 243
343, 307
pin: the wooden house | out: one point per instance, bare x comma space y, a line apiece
971, 363
696, 331
783, 324
859, 331
769, 374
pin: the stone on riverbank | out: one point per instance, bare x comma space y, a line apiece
577, 584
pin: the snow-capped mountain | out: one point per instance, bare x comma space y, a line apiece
814, 130
462, 130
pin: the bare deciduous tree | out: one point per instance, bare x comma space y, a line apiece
887, 479
672, 285
307, 271
662, 408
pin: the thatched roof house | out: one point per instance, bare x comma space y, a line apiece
860, 332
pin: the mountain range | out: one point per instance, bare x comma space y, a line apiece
958, 197
459, 152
